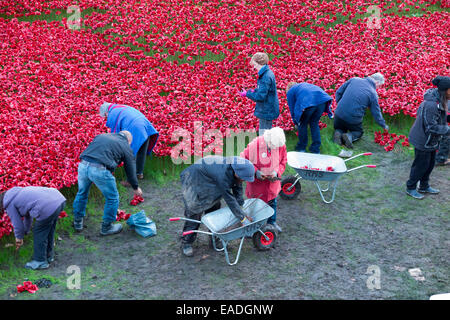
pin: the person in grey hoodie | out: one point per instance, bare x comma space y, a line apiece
353, 98
208, 181
425, 135
22, 205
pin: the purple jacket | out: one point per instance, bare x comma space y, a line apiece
28, 203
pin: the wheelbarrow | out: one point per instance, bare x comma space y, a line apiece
264, 235
316, 167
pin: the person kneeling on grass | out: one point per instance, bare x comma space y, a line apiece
427, 131
97, 165
268, 155
205, 183
22, 204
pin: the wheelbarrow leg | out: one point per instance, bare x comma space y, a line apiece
227, 258
321, 193
213, 238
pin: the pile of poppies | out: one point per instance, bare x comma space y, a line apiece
389, 140
185, 61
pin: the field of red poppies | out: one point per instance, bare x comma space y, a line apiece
185, 61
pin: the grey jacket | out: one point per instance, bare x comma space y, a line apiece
28, 203
205, 183
430, 124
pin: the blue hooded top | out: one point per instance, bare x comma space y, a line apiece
122, 117
304, 95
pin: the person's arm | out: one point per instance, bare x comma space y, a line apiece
341, 90
16, 220
291, 100
376, 112
431, 121
238, 193
232, 202
261, 92
130, 168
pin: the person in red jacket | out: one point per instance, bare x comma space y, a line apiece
268, 155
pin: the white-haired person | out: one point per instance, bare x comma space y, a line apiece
268, 155
353, 98
265, 95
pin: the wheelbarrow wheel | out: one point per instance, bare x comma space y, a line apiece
289, 191
260, 242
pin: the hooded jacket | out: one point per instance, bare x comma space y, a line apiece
265, 95
212, 178
430, 124
265, 161
30, 202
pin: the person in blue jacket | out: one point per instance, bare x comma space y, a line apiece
22, 205
307, 103
125, 118
353, 98
265, 95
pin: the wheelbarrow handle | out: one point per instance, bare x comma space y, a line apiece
196, 231
358, 155
185, 219
363, 166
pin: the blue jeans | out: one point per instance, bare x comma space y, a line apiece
105, 181
273, 204
310, 117
264, 125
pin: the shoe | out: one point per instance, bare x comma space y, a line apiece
445, 163
429, 190
51, 257
413, 193
109, 228
37, 265
140, 176
347, 138
187, 250
277, 227
337, 137
78, 224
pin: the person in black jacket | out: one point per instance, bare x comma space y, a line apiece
205, 183
426, 133
98, 162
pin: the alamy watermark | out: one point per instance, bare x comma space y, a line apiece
374, 280
74, 279
74, 20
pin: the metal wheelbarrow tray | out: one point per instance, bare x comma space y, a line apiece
264, 235
316, 167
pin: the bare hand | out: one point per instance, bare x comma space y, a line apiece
138, 192
19, 243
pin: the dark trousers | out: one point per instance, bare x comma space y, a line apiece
356, 130
310, 117
273, 204
444, 148
44, 234
421, 169
189, 225
141, 156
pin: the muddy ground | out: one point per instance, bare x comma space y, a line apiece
324, 252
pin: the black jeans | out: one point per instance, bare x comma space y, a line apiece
444, 148
141, 156
421, 169
189, 225
44, 234
342, 126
